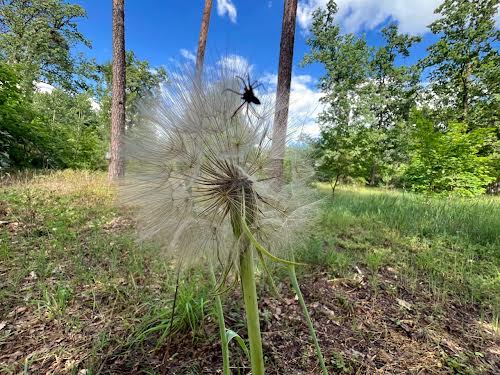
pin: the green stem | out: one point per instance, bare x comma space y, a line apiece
252, 312
272, 285
296, 288
262, 249
222, 326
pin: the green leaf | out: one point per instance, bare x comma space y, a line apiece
230, 334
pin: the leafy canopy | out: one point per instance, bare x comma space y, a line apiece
38, 36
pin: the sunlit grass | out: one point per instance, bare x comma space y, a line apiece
453, 244
475, 220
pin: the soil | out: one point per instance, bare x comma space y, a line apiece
365, 325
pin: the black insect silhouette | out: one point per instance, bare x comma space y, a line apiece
248, 96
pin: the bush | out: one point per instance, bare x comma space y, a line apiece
56, 130
450, 161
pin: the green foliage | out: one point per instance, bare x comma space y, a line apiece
366, 131
450, 161
345, 59
392, 87
56, 130
77, 136
368, 97
66, 128
26, 140
142, 81
338, 154
38, 36
14, 117
464, 61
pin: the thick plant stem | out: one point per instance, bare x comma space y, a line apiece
296, 288
252, 312
222, 327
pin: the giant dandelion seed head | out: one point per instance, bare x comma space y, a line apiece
194, 170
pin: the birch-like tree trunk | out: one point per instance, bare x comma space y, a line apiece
116, 163
283, 89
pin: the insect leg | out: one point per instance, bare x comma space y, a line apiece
249, 117
237, 109
233, 91
254, 112
243, 81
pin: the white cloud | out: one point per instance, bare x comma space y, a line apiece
44, 88
305, 103
188, 54
235, 63
227, 6
413, 16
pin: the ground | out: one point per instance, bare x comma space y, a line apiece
395, 283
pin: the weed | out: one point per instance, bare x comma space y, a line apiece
339, 364
55, 301
189, 315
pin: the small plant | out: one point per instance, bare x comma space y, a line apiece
191, 304
339, 363
55, 302
200, 176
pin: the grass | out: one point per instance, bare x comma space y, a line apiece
73, 256
453, 244
71, 270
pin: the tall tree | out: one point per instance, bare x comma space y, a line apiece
116, 163
202, 41
389, 96
345, 58
367, 96
283, 88
37, 36
394, 85
457, 59
343, 144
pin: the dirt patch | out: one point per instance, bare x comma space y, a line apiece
362, 328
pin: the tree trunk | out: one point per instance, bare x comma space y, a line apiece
202, 41
116, 164
373, 178
334, 185
283, 90
465, 92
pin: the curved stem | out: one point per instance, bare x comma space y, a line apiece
296, 288
262, 249
252, 311
222, 326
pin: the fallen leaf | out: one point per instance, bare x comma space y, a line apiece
403, 303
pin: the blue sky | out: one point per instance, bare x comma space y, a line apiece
166, 32
159, 30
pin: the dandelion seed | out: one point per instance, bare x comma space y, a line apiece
190, 167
